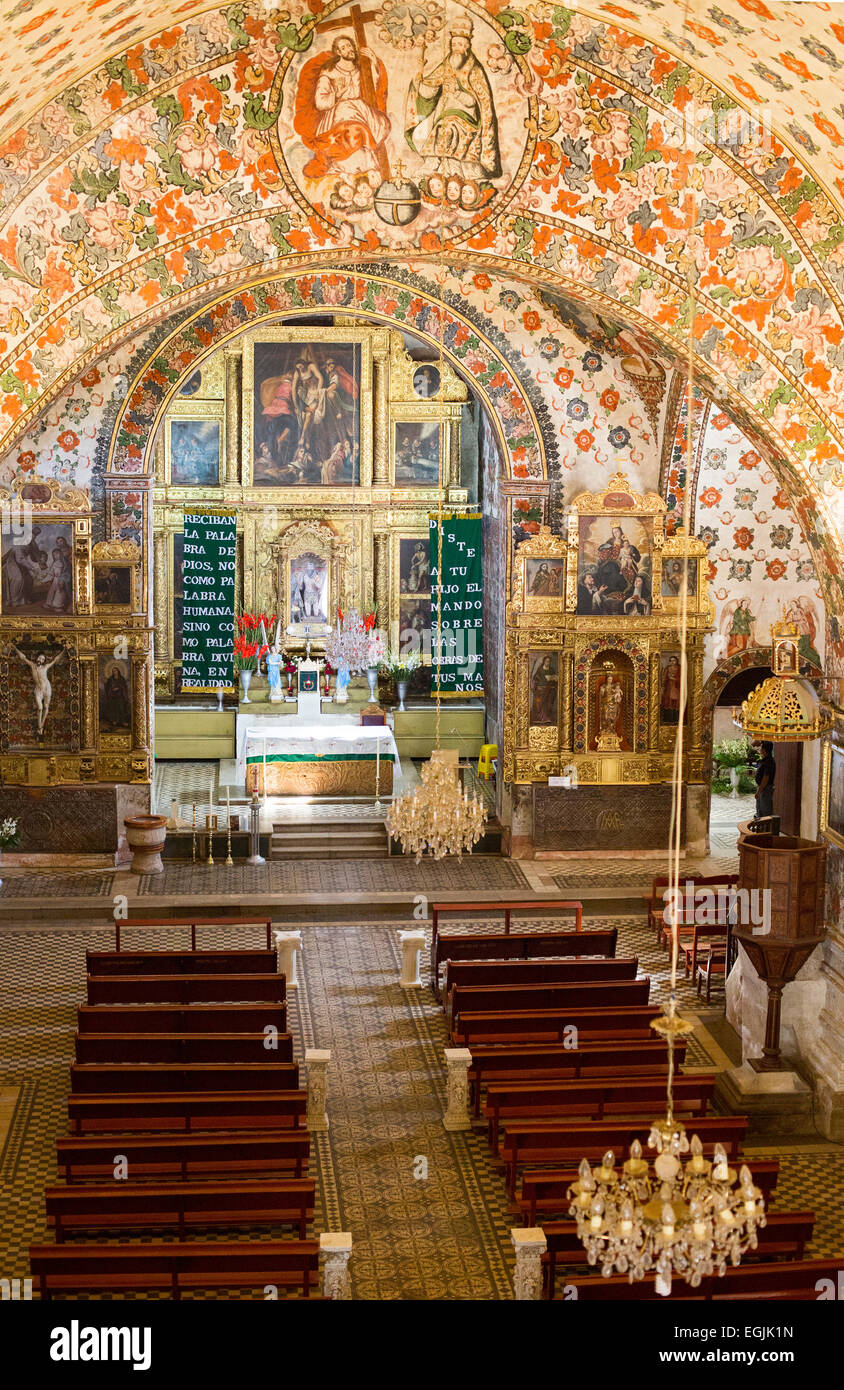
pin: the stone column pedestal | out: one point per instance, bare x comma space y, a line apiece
412, 945
530, 1245
288, 943
335, 1247
316, 1060
457, 1117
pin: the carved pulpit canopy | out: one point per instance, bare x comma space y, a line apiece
309, 559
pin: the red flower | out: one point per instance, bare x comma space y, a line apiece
91, 378
531, 320
339, 615
710, 497
368, 622
68, 439
749, 459
26, 461
609, 399
584, 440
743, 538
775, 569
564, 377
721, 421
482, 282
780, 499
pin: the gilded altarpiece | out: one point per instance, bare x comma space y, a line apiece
335, 444
592, 691
74, 643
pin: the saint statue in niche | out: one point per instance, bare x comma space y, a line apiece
610, 702
42, 690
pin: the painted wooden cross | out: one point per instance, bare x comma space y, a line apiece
359, 20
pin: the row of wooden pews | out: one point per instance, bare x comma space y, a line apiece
564, 1065
185, 1117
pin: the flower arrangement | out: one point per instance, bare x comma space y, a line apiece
9, 833
249, 645
731, 752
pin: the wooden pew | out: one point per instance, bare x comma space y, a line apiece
478, 999
187, 1110
259, 962
518, 946
544, 1190
591, 1100
185, 989
178, 1018
180, 1205
74, 1270
549, 1025
527, 972
555, 1061
787, 1279
181, 1047
193, 923
184, 1156
91, 1078
568, 1141
542, 907
785, 1234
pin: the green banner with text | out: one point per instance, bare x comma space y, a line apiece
457, 605
210, 555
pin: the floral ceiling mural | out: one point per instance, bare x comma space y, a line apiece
196, 164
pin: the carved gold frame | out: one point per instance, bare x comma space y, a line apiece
831, 746
201, 410
402, 370
117, 555
46, 500
320, 337
615, 503
699, 605
299, 538
447, 418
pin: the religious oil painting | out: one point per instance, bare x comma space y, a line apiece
426, 380
417, 453
113, 586
414, 617
672, 577
544, 578
834, 816
308, 589
544, 689
306, 414
669, 689
614, 566
194, 453
115, 704
37, 576
414, 565
391, 117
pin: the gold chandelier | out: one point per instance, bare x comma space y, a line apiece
437, 817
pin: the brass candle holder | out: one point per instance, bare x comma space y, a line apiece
229, 860
210, 827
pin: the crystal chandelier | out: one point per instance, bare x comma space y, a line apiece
437, 817
690, 1221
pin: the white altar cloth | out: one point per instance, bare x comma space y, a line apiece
294, 737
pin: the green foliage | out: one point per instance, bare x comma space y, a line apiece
639, 154
731, 752
721, 786
255, 116
94, 184
400, 665
516, 39
298, 40
119, 71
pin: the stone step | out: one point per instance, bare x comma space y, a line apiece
337, 851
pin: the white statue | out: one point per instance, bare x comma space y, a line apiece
43, 690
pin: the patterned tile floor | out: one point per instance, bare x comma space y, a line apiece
426, 1208
487, 874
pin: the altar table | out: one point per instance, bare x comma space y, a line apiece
327, 759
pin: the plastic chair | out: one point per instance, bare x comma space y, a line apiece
489, 751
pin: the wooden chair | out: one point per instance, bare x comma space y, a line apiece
712, 968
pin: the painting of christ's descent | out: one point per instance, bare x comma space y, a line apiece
194, 453
614, 567
306, 415
426, 381
669, 689
414, 566
544, 579
38, 575
114, 697
113, 586
414, 617
308, 589
403, 122
417, 447
544, 689
672, 577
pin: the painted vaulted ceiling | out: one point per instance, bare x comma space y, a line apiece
790, 55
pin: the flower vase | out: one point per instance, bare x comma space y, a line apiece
735, 780
245, 678
372, 678
401, 690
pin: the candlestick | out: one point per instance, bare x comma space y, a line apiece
193, 837
378, 772
209, 825
229, 860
